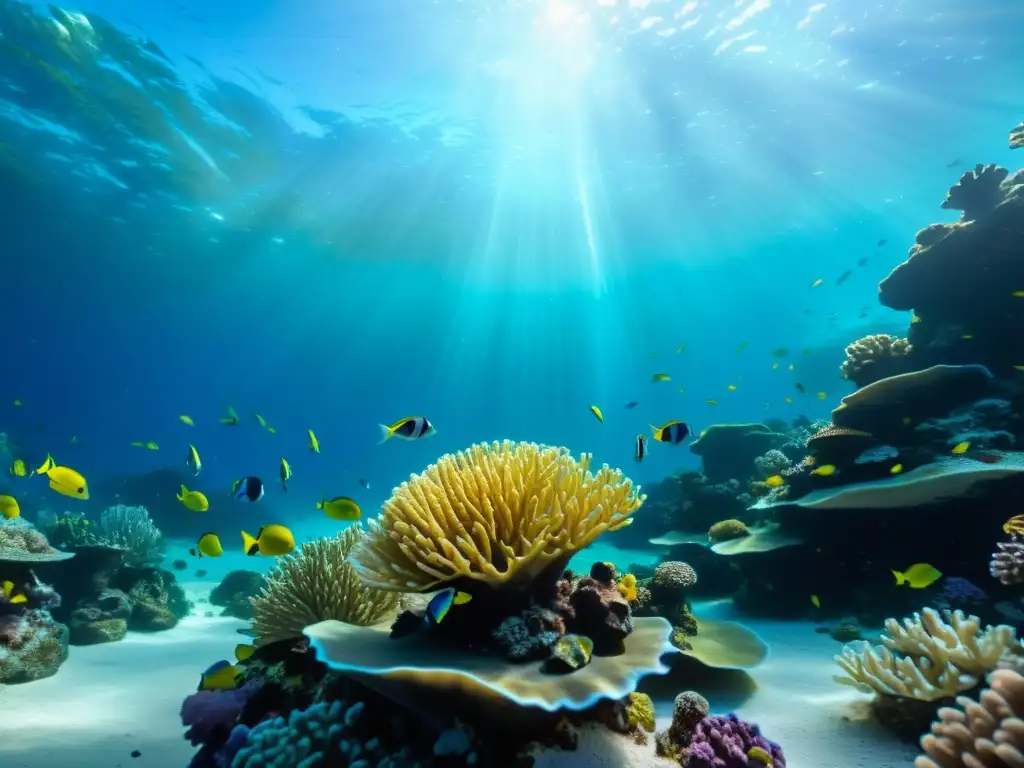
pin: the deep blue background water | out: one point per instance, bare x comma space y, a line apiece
459, 210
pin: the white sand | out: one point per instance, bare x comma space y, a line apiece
108, 700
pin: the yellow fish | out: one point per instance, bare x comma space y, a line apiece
186, 420
661, 377
221, 676
731, 387
918, 576
230, 418
209, 545
775, 481
270, 540
192, 460
789, 400
8, 589
761, 755
817, 282
68, 482
597, 413
150, 446
825, 470
46, 466
194, 500
243, 651
17, 469
259, 419
1015, 525
1018, 367
822, 395
627, 587
272, 430
1018, 294
816, 601
285, 473
709, 401
961, 448
314, 444
896, 469
340, 508
914, 319
9, 507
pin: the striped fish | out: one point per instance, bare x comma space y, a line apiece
641, 448
409, 428
673, 432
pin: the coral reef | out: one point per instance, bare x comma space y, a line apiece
316, 583
688, 709
33, 644
774, 462
875, 357
728, 742
728, 451
520, 508
235, 591
131, 529
987, 733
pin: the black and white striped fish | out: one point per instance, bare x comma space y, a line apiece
409, 428
641, 448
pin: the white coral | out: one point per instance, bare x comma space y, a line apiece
927, 657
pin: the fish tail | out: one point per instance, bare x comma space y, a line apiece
182, 492
249, 545
385, 432
656, 431
901, 578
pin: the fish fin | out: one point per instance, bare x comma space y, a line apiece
461, 598
385, 432
901, 578
249, 545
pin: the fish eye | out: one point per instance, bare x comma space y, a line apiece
81, 490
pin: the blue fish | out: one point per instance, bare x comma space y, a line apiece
250, 488
440, 603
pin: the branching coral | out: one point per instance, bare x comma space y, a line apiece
772, 463
315, 584
131, 529
926, 658
493, 513
988, 733
875, 357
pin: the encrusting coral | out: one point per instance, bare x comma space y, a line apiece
727, 530
987, 733
927, 657
493, 513
314, 584
875, 357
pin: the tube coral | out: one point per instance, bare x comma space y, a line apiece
493, 513
315, 584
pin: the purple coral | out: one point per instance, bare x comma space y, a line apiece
959, 593
1008, 561
211, 712
725, 742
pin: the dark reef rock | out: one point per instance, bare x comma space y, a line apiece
234, 591
728, 451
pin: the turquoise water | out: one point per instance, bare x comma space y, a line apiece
494, 215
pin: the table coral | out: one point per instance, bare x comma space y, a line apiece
316, 583
987, 733
494, 513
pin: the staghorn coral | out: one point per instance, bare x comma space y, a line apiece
875, 357
1008, 561
987, 733
492, 513
926, 657
727, 530
131, 529
315, 584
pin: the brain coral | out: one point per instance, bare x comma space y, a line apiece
314, 584
492, 513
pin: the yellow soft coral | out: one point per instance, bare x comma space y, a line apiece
640, 711
627, 587
926, 658
492, 513
314, 584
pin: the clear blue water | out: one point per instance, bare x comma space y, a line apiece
492, 214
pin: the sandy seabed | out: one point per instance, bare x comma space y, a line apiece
108, 700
